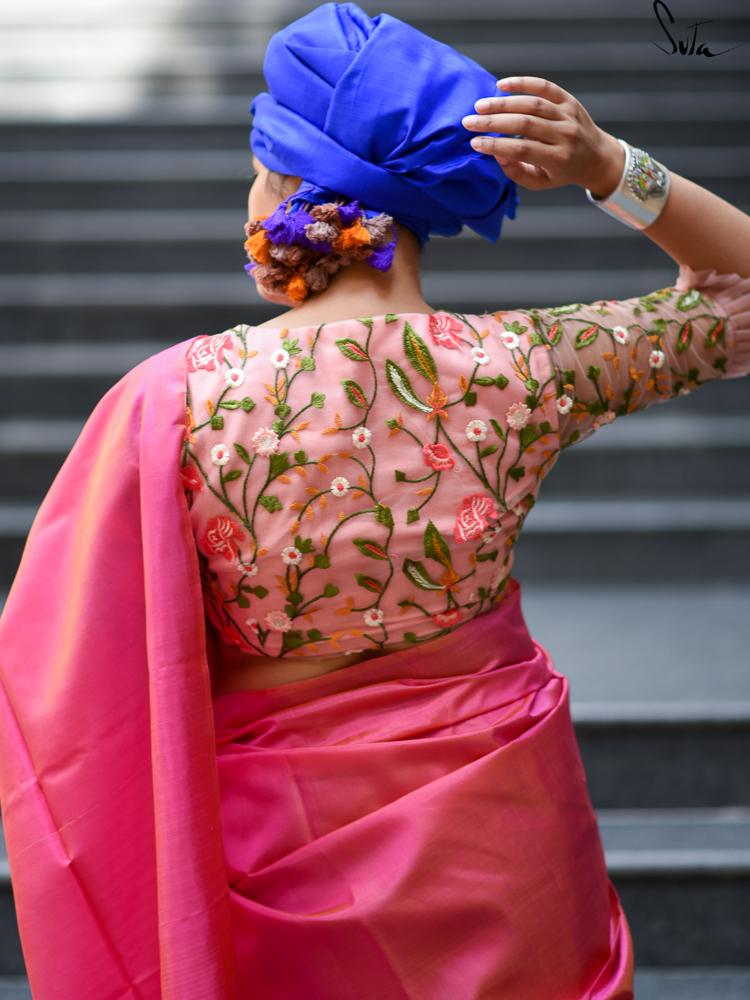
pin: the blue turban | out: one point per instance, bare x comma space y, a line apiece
371, 108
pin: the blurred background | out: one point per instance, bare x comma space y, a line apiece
124, 174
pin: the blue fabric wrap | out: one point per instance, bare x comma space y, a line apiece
371, 108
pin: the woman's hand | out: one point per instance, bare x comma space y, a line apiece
559, 144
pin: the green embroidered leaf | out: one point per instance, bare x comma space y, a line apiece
587, 336
399, 475
684, 336
531, 384
412, 515
217, 422
230, 404
419, 576
720, 364
300, 457
470, 399
304, 544
369, 583
295, 598
307, 364
527, 435
483, 380
330, 590
278, 464
554, 333
418, 353
355, 393
497, 428
271, 503
367, 320
688, 299
715, 333
260, 592
247, 404
242, 452
317, 400
291, 345
234, 474
490, 556
293, 639
562, 310
391, 317
351, 349
314, 634
384, 516
410, 637
489, 450
530, 401
545, 427
282, 410
401, 387
435, 546
593, 371
278, 426
242, 602
370, 549
321, 561
516, 472
501, 381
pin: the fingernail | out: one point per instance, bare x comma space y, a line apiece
508, 81
482, 105
478, 142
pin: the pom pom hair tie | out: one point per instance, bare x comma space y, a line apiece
297, 248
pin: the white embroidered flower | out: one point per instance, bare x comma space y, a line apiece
621, 334
234, 377
361, 437
220, 454
278, 621
479, 356
265, 441
291, 555
684, 391
510, 339
564, 403
517, 415
656, 359
339, 486
252, 624
476, 430
280, 358
373, 617
250, 570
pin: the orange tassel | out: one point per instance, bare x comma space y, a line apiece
259, 245
297, 289
352, 237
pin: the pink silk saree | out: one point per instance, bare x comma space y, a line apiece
413, 826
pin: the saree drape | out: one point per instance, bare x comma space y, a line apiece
412, 826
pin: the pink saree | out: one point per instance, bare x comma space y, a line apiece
415, 826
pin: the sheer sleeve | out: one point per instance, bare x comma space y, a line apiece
612, 357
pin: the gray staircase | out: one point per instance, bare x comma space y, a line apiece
123, 187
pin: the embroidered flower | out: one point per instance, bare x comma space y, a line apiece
564, 403
510, 339
291, 555
373, 617
474, 516
205, 352
476, 430
438, 457
656, 359
517, 415
220, 454
339, 486
191, 478
252, 624
447, 619
621, 334
479, 356
221, 536
280, 358
278, 621
361, 437
234, 377
445, 331
265, 441
247, 570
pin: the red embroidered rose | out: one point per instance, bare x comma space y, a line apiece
191, 478
438, 457
474, 516
447, 619
220, 537
445, 331
206, 351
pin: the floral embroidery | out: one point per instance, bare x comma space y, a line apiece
363, 483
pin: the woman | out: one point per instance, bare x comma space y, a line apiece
358, 776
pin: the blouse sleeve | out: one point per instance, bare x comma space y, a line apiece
612, 357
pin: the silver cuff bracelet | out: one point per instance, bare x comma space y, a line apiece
641, 194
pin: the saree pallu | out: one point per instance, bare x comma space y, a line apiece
418, 825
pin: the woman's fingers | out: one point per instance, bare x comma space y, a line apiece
510, 123
536, 85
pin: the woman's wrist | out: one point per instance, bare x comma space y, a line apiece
607, 167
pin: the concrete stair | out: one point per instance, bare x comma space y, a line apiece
124, 166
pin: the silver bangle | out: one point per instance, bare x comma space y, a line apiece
640, 196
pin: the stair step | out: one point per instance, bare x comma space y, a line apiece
705, 983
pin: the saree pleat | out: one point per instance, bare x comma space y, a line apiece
418, 825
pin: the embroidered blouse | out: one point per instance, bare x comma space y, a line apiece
362, 483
